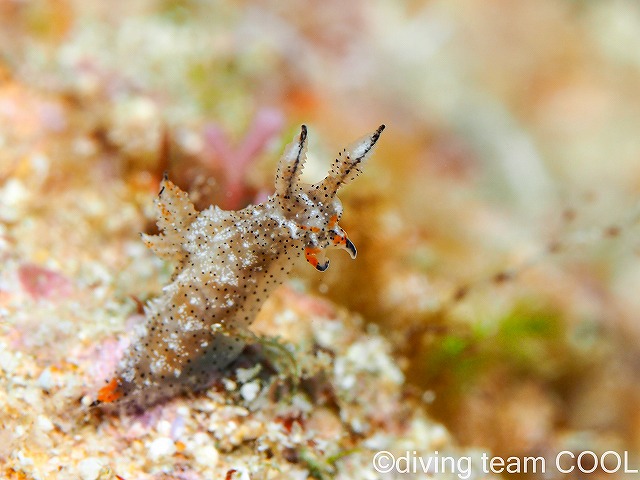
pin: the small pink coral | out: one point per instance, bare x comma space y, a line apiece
235, 161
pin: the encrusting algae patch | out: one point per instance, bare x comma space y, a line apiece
227, 265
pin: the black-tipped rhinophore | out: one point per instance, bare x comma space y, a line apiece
349, 163
291, 165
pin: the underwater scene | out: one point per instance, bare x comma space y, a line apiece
259, 240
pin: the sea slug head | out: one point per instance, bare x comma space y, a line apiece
314, 208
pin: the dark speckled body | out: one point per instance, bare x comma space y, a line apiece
227, 264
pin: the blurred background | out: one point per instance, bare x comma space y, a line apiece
497, 224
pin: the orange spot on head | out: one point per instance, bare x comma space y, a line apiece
312, 229
333, 221
110, 392
310, 254
339, 240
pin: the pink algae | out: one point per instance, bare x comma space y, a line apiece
42, 283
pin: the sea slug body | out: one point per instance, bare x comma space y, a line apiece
226, 264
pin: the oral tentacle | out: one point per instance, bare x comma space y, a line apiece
351, 248
310, 254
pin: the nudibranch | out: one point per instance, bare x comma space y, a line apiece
226, 264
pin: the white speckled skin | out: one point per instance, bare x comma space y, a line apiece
227, 264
